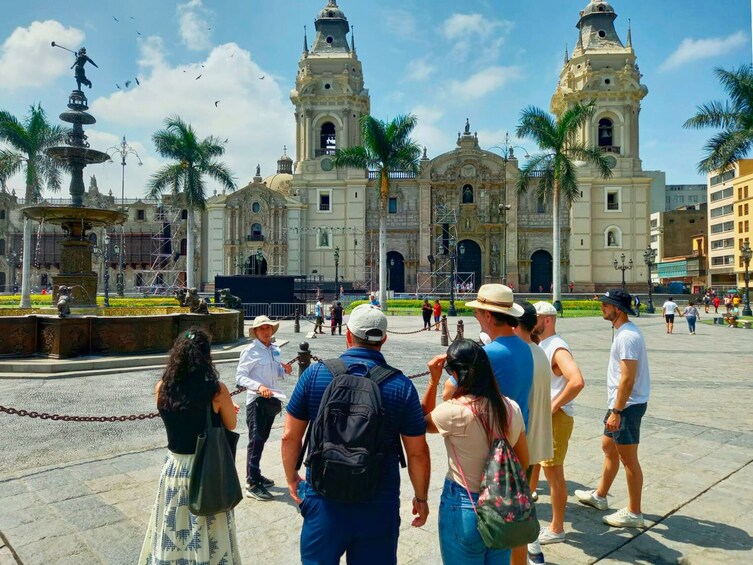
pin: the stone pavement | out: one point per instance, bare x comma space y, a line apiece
89, 503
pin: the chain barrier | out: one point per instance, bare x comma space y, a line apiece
408, 333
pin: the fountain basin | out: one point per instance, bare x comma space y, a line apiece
142, 331
75, 215
83, 155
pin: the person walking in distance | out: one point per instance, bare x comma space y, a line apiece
319, 316
628, 388
668, 311
691, 314
337, 318
366, 529
437, 314
426, 312
258, 370
539, 435
566, 383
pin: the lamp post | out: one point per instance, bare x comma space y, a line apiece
259, 259
123, 150
648, 257
389, 274
451, 310
239, 263
104, 254
503, 209
13, 258
623, 267
747, 253
337, 266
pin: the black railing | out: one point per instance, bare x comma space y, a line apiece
326, 151
255, 237
610, 149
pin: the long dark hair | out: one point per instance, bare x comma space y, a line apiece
475, 376
190, 379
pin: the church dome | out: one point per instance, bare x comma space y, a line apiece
331, 12
279, 182
597, 7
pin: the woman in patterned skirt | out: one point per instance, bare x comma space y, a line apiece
189, 383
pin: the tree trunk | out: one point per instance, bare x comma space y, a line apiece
383, 195
190, 246
556, 244
26, 272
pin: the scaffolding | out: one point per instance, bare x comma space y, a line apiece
165, 275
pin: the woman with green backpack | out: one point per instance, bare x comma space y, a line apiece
474, 422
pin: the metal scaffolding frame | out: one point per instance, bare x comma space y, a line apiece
164, 274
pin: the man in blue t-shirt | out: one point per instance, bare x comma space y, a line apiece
510, 356
367, 531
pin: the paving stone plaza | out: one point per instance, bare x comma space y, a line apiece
82, 492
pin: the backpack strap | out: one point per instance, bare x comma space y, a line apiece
378, 374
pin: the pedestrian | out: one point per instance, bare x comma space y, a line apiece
716, 301
637, 306
319, 316
373, 301
189, 385
668, 311
539, 434
337, 318
691, 314
426, 311
258, 370
332, 316
366, 531
566, 382
728, 303
468, 422
437, 314
628, 388
706, 302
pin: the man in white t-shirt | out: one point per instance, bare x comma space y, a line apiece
566, 382
628, 388
668, 311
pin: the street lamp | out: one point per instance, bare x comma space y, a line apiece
648, 257
747, 253
623, 267
389, 274
337, 266
123, 149
259, 259
503, 209
105, 255
451, 310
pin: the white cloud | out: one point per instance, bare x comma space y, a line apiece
419, 70
27, 58
475, 33
428, 133
482, 83
253, 115
691, 50
401, 23
193, 20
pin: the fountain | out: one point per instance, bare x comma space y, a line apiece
81, 328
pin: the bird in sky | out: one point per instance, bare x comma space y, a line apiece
225, 140
127, 83
137, 80
116, 84
116, 19
198, 77
138, 32
216, 103
262, 77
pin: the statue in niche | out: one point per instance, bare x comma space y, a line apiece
467, 223
494, 265
324, 238
611, 239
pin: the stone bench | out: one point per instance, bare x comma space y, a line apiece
746, 324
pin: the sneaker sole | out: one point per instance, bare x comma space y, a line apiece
257, 497
549, 541
642, 525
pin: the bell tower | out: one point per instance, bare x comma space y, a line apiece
329, 95
611, 217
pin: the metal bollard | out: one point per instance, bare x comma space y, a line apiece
297, 325
461, 331
304, 357
444, 339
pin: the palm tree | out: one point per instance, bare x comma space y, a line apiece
27, 142
734, 117
387, 147
194, 159
555, 169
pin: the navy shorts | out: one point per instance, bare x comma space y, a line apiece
670, 318
630, 425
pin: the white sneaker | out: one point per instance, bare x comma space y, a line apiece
589, 498
547, 536
535, 555
623, 518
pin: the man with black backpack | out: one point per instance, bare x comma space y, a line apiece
357, 410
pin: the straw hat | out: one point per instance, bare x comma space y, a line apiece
496, 298
264, 321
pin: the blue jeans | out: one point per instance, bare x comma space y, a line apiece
459, 540
366, 532
691, 323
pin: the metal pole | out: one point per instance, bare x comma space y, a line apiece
121, 277
304, 357
451, 310
747, 253
107, 271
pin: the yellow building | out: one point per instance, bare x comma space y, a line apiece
743, 209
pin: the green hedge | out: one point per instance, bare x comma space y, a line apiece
570, 307
115, 301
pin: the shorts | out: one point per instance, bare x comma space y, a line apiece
562, 429
630, 425
436, 319
670, 318
319, 320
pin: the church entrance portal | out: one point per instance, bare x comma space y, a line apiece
395, 272
541, 271
469, 263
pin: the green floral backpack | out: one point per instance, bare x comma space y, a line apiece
505, 513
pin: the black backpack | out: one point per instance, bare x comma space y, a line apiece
349, 435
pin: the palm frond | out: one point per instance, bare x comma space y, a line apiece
167, 177
356, 157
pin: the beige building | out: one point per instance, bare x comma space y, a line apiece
742, 188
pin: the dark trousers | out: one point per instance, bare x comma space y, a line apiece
260, 415
427, 319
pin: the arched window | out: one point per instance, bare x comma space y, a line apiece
184, 214
467, 194
606, 136
327, 139
612, 237
256, 233
183, 246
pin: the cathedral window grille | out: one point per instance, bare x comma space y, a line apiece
612, 199
325, 200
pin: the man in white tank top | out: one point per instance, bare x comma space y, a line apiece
566, 383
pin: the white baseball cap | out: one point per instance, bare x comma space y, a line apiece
545, 309
368, 323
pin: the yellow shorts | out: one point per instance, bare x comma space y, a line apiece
562, 429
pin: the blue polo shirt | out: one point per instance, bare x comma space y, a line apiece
399, 399
512, 363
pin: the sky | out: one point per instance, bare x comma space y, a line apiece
227, 67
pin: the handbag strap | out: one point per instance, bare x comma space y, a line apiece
209, 416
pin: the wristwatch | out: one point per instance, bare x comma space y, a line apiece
617, 412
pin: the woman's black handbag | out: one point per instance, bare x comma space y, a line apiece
214, 486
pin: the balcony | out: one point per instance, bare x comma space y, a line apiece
610, 149
255, 237
323, 152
